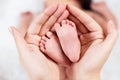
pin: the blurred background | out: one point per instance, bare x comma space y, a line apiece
10, 68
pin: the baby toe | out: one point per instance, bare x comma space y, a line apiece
72, 24
42, 45
67, 22
64, 22
57, 26
43, 42
44, 38
49, 34
42, 49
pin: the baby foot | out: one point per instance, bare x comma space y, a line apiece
69, 40
50, 45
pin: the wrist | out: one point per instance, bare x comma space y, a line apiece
89, 76
85, 75
45, 78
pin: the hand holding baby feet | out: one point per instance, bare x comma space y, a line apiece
69, 40
50, 45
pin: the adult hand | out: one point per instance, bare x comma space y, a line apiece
102, 10
97, 42
36, 64
100, 13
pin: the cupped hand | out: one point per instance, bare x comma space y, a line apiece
37, 65
97, 42
102, 13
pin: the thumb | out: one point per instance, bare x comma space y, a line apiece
19, 40
111, 34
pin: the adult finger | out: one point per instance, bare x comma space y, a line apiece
89, 23
19, 40
80, 26
51, 21
111, 34
102, 9
41, 19
99, 19
25, 20
62, 17
108, 43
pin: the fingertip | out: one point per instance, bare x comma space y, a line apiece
111, 24
51, 10
69, 6
112, 33
27, 13
66, 11
111, 29
10, 30
63, 16
63, 6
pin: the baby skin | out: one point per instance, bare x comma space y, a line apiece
63, 47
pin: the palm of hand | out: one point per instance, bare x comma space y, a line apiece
91, 40
41, 64
96, 43
90, 43
28, 46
